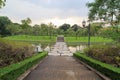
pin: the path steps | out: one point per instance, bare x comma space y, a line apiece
60, 38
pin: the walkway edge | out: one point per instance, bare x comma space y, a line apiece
29, 70
94, 70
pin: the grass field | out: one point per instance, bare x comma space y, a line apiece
53, 39
85, 39
31, 38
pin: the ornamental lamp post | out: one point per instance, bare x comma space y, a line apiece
88, 27
84, 24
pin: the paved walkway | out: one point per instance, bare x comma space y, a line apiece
60, 48
63, 67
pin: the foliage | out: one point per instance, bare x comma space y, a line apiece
104, 9
2, 3
26, 22
36, 30
75, 27
44, 30
14, 29
15, 70
10, 28
64, 27
108, 70
69, 31
4, 22
85, 39
27, 29
112, 32
50, 28
105, 53
95, 28
12, 52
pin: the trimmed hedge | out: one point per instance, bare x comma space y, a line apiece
15, 70
109, 70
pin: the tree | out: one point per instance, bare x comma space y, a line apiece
64, 27
95, 27
51, 26
14, 28
82, 31
44, 29
75, 27
26, 23
2, 3
104, 10
70, 32
110, 33
4, 22
36, 30
59, 31
26, 26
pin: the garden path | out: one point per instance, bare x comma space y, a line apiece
60, 65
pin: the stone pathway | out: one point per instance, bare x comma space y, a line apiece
63, 67
60, 48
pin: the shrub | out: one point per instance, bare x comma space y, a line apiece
12, 52
108, 70
13, 71
105, 53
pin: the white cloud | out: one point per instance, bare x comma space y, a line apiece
70, 20
17, 10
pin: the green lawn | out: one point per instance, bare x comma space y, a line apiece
47, 39
85, 39
31, 38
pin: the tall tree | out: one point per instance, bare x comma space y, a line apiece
44, 29
26, 23
51, 26
4, 22
64, 27
14, 28
36, 30
75, 27
26, 26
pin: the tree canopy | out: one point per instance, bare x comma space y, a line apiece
2, 3
64, 27
75, 27
4, 22
107, 10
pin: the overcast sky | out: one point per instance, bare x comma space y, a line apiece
45, 11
